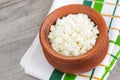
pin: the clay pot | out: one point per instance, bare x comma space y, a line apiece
81, 63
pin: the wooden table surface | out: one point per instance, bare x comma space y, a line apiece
19, 25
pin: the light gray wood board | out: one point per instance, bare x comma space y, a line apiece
19, 25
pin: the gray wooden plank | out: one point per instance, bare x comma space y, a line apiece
19, 24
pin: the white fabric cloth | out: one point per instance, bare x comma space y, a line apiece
35, 64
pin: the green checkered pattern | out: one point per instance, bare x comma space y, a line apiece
110, 12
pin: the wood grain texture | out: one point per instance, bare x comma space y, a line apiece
19, 24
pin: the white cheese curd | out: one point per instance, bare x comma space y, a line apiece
73, 35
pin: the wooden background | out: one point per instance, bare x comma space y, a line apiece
19, 24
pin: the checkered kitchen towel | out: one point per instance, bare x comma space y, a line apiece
35, 64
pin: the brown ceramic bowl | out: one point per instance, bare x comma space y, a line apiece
81, 63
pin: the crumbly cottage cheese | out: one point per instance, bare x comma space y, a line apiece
73, 35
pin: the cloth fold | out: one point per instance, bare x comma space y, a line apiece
35, 64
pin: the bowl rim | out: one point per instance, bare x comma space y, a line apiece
46, 45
